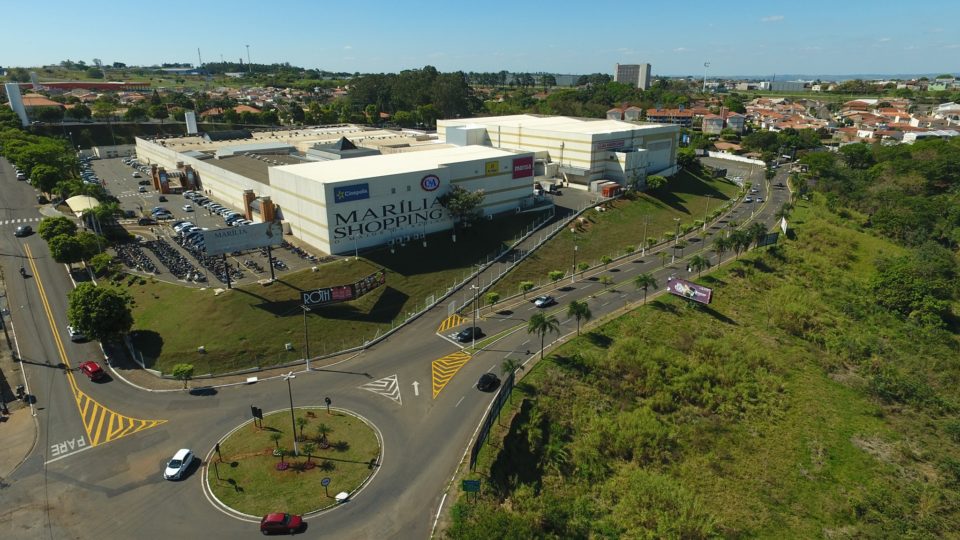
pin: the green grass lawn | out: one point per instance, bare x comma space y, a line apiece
609, 233
250, 325
760, 415
250, 483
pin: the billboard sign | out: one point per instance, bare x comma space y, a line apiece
769, 240
430, 182
220, 241
191, 119
783, 225
691, 291
523, 167
615, 144
344, 293
491, 168
354, 192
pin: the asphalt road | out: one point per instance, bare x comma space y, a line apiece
111, 486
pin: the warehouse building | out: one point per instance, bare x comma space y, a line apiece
581, 152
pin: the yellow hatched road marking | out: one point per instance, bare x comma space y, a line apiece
443, 370
451, 322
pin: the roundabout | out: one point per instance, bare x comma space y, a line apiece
300, 465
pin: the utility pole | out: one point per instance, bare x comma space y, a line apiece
676, 241
248, 64
705, 210
643, 244
293, 422
705, 66
306, 337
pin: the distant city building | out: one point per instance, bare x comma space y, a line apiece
635, 74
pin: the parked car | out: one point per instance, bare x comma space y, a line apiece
747, 200
75, 335
759, 199
488, 382
280, 523
144, 182
544, 301
178, 464
92, 370
146, 221
135, 174
187, 208
142, 189
162, 198
23, 230
469, 334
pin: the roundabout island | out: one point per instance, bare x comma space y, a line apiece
300, 462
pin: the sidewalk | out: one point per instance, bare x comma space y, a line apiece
18, 430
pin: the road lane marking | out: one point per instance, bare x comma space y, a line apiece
452, 321
459, 402
91, 412
443, 370
387, 387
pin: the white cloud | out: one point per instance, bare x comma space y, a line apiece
883, 40
772, 18
682, 49
953, 46
347, 47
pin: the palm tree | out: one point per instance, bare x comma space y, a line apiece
275, 437
756, 232
645, 281
663, 258
680, 245
322, 431
542, 324
308, 450
510, 365
739, 241
580, 311
720, 246
301, 423
698, 263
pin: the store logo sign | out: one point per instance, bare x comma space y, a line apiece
430, 182
355, 192
523, 167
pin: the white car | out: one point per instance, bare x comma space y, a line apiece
543, 301
747, 199
178, 464
74, 335
187, 208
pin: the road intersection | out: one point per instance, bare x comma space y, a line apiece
101, 446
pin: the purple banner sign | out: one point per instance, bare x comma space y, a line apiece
692, 291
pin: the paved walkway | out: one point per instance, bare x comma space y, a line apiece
18, 430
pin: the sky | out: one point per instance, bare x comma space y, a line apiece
816, 37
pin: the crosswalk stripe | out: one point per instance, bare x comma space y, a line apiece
103, 425
444, 369
451, 322
387, 387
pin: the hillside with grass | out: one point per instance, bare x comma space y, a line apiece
799, 404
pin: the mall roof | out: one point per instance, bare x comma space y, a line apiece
391, 164
566, 124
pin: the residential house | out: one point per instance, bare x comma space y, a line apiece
712, 124
679, 116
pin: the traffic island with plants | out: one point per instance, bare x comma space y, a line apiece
258, 472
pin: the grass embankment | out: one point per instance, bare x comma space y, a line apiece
686, 196
250, 482
791, 407
250, 325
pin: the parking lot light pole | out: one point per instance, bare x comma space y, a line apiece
293, 422
676, 241
306, 337
706, 209
643, 243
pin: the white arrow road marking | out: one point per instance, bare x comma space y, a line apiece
416, 388
386, 387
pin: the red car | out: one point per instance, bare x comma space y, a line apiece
92, 370
280, 523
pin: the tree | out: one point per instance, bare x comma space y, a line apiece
681, 245
663, 258
757, 232
656, 181
462, 205
605, 260
606, 281
583, 267
510, 365
857, 156
720, 246
301, 423
739, 241
493, 298
56, 226
275, 437
308, 449
79, 111
645, 281
102, 313
184, 372
542, 324
555, 275
135, 113
159, 112
580, 311
699, 263
66, 249
322, 431
525, 287
102, 264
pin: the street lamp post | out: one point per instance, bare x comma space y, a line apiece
306, 337
476, 307
676, 241
293, 421
573, 274
643, 243
705, 210
705, 66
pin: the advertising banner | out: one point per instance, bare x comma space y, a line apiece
492, 168
355, 192
769, 240
220, 241
691, 291
523, 167
344, 293
609, 145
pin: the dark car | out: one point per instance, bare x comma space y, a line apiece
144, 182
146, 221
162, 198
280, 523
469, 334
488, 382
42, 200
23, 230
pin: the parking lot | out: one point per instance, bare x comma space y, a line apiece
165, 252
